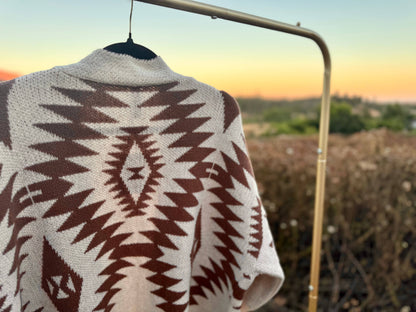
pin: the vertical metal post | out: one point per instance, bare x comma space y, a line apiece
244, 18
319, 194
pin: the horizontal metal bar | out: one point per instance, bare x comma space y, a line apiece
240, 17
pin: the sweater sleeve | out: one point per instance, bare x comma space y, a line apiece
262, 275
267, 276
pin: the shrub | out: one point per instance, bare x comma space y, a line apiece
342, 120
396, 117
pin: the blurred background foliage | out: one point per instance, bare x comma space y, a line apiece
368, 250
348, 115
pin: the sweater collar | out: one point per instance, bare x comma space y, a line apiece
121, 69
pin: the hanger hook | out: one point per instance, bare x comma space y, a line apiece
131, 12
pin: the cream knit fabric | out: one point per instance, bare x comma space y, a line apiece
125, 186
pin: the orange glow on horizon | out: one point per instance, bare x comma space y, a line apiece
377, 85
6, 75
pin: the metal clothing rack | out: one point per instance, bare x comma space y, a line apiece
244, 18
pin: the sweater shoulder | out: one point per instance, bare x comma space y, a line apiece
47, 76
226, 104
204, 90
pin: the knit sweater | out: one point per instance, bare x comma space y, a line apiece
125, 186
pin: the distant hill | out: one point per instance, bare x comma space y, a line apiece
252, 107
258, 105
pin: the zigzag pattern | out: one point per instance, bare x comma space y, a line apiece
245, 163
176, 213
56, 187
14, 206
237, 172
223, 271
257, 235
115, 179
10, 205
220, 273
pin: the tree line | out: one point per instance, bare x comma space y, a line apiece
347, 116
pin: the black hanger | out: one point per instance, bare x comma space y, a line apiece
131, 48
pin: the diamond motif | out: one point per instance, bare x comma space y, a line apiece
134, 170
134, 182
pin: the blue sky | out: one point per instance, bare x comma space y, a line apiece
372, 43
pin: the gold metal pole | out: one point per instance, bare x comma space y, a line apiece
319, 194
244, 18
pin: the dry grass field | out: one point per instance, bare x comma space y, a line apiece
369, 250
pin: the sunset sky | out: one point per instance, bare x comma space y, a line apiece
372, 43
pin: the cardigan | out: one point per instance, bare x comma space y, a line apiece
125, 186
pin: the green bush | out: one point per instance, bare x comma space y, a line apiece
347, 116
295, 126
277, 114
396, 118
342, 120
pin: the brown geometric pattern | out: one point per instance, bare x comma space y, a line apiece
10, 206
59, 281
231, 109
127, 197
2, 302
258, 230
124, 159
221, 274
13, 206
133, 189
185, 125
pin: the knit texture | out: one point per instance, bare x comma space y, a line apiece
125, 186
